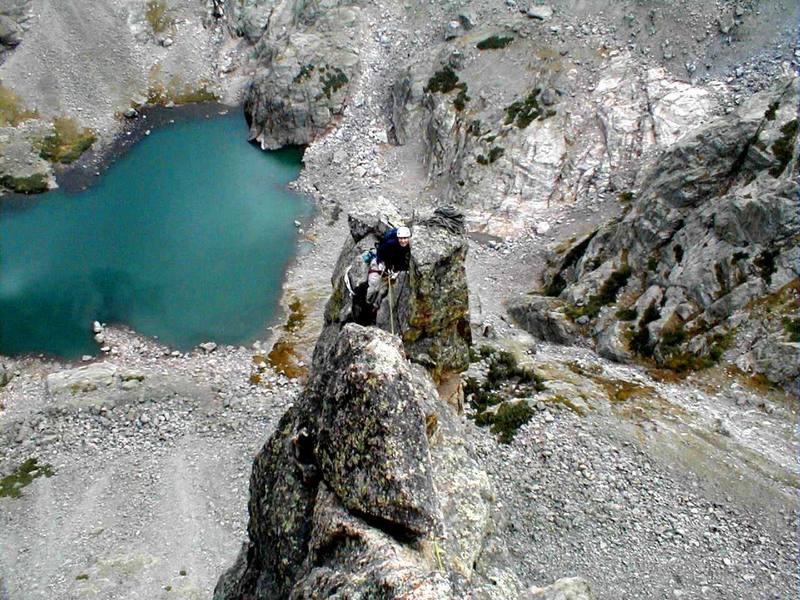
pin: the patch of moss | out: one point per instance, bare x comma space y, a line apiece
191, 95
284, 359
474, 127
11, 485
12, 110
158, 15
626, 314
625, 197
652, 264
524, 112
619, 390
33, 184
494, 42
67, 142
297, 316
175, 91
443, 81
783, 147
766, 264
332, 81
560, 400
82, 577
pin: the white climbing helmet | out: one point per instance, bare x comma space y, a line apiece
403, 232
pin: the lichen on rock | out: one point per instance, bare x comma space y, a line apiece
367, 488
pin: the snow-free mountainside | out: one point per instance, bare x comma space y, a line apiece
585, 386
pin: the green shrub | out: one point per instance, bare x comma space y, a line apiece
772, 111
626, 314
673, 338
509, 418
606, 295
461, 99
766, 264
442, 81
33, 184
332, 81
495, 153
305, 73
504, 367
783, 147
792, 327
505, 380
524, 112
494, 42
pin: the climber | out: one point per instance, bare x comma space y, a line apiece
392, 256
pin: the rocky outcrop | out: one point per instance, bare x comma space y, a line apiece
506, 158
308, 56
364, 488
428, 307
544, 318
572, 588
712, 230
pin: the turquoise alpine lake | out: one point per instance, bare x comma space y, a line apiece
186, 237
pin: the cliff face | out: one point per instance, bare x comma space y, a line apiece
307, 55
506, 150
710, 237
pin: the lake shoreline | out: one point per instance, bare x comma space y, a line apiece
157, 120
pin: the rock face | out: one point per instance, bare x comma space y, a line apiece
505, 163
712, 232
429, 305
308, 55
347, 482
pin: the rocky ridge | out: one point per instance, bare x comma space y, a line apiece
712, 230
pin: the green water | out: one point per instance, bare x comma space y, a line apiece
186, 237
